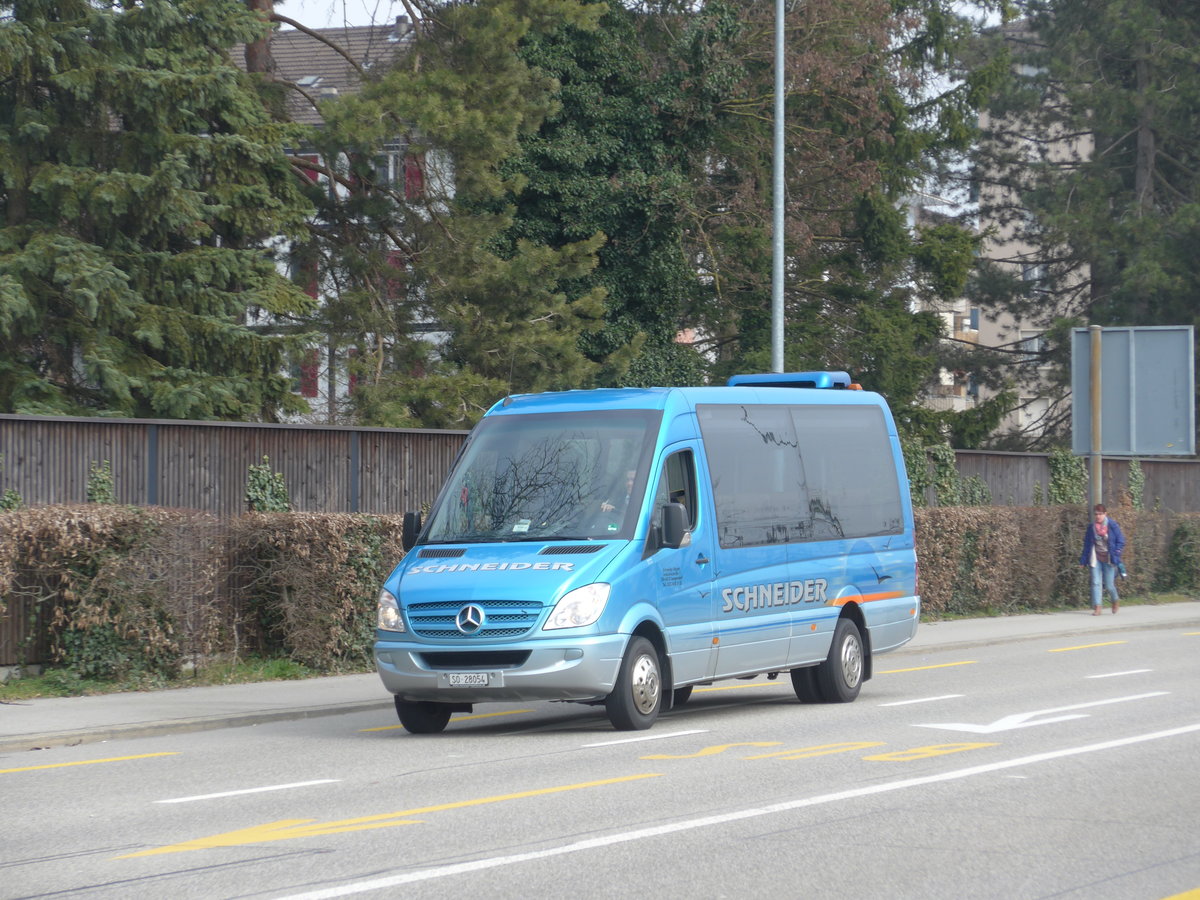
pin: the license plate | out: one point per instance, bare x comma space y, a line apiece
468, 679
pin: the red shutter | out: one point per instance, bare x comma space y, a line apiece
309, 373
308, 272
312, 174
395, 281
414, 178
352, 356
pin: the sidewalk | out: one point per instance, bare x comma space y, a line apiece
65, 721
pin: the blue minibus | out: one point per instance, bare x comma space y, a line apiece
620, 547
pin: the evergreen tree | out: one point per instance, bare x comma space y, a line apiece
141, 183
1090, 162
509, 312
663, 144
619, 157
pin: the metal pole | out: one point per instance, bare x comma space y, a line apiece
1096, 469
777, 201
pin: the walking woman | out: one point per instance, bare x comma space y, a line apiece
1102, 546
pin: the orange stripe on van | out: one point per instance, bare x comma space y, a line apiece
865, 598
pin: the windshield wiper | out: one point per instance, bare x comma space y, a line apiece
461, 540
549, 538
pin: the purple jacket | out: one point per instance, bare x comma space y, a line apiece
1116, 543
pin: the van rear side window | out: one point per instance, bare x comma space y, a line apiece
783, 474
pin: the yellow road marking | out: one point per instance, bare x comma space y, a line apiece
969, 662
822, 750
715, 749
293, 828
926, 752
1085, 646
506, 712
1187, 634
1186, 895
86, 762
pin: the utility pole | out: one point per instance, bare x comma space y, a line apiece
1095, 460
777, 267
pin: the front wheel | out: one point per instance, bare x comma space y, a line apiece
637, 696
422, 716
804, 683
840, 676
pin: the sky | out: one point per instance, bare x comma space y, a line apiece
335, 13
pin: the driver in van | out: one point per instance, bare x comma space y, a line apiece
620, 500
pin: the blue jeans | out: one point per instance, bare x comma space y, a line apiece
1107, 572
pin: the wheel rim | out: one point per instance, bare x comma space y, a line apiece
644, 684
852, 661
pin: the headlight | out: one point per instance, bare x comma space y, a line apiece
388, 616
580, 607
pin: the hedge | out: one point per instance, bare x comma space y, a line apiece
129, 592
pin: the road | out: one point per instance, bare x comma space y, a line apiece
1054, 767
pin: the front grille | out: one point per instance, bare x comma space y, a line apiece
502, 619
487, 659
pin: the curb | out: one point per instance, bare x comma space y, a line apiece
180, 726
1112, 627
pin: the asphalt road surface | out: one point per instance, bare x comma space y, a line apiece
1054, 767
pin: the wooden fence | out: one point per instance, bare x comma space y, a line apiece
203, 465
1017, 479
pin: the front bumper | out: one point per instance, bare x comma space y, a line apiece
562, 669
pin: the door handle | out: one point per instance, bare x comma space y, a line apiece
702, 560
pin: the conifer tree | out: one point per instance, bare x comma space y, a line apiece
1089, 164
663, 143
142, 185
508, 313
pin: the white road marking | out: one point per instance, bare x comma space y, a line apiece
1119, 674
922, 700
642, 834
257, 790
1021, 720
648, 737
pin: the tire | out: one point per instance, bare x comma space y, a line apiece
422, 716
636, 699
840, 676
804, 683
681, 696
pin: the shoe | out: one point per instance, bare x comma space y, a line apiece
1095, 610
1115, 605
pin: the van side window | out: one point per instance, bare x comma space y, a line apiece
800, 473
677, 484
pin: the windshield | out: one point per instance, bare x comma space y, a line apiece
548, 476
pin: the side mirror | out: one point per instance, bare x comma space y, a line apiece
674, 526
410, 531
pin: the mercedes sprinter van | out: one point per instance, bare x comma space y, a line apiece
620, 547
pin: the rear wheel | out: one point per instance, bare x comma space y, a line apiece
637, 696
422, 716
840, 676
